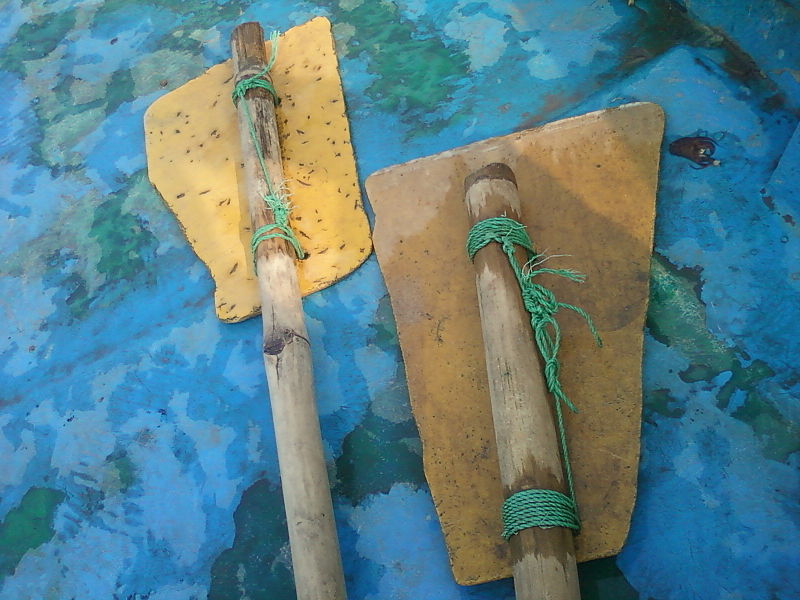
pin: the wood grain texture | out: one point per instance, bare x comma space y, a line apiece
587, 189
543, 560
316, 563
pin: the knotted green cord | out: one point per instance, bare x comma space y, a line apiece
537, 508
274, 199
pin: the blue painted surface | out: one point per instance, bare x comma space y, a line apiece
144, 416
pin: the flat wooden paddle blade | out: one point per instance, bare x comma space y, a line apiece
587, 187
194, 161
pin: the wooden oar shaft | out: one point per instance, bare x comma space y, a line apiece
543, 559
287, 356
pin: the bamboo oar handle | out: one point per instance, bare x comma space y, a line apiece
287, 356
543, 559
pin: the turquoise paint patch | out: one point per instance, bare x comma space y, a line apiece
660, 402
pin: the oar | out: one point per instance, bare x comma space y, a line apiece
287, 356
543, 559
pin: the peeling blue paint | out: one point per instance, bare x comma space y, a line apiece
122, 393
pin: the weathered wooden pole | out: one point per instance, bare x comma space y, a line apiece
287, 356
527, 445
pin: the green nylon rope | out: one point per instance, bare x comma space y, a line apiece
537, 508
274, 199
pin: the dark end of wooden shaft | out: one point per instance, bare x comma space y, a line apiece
492, 171
247, 42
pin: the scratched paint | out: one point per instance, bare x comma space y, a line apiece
133, 421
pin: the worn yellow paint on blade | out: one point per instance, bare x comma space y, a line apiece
194, 161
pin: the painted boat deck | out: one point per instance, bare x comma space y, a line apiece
136, 456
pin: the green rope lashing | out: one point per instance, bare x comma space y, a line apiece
275, 200
537, 508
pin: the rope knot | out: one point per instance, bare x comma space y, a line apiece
552, 368
540, 302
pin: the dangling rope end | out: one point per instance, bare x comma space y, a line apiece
273, 40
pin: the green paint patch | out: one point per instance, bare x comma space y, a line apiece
125, 242
191, 15
376, 455
255, 566
780, 436
416, 72
119, 89
86, 92
383, 326
123, 472
176, 66
62, 135
36, 39
103, 253
745, 379
662, 403
77, 297
126, 471
27, 526
677, 318
111, 253
194, 18
67, 109
601, 579
384, 448
63, 120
